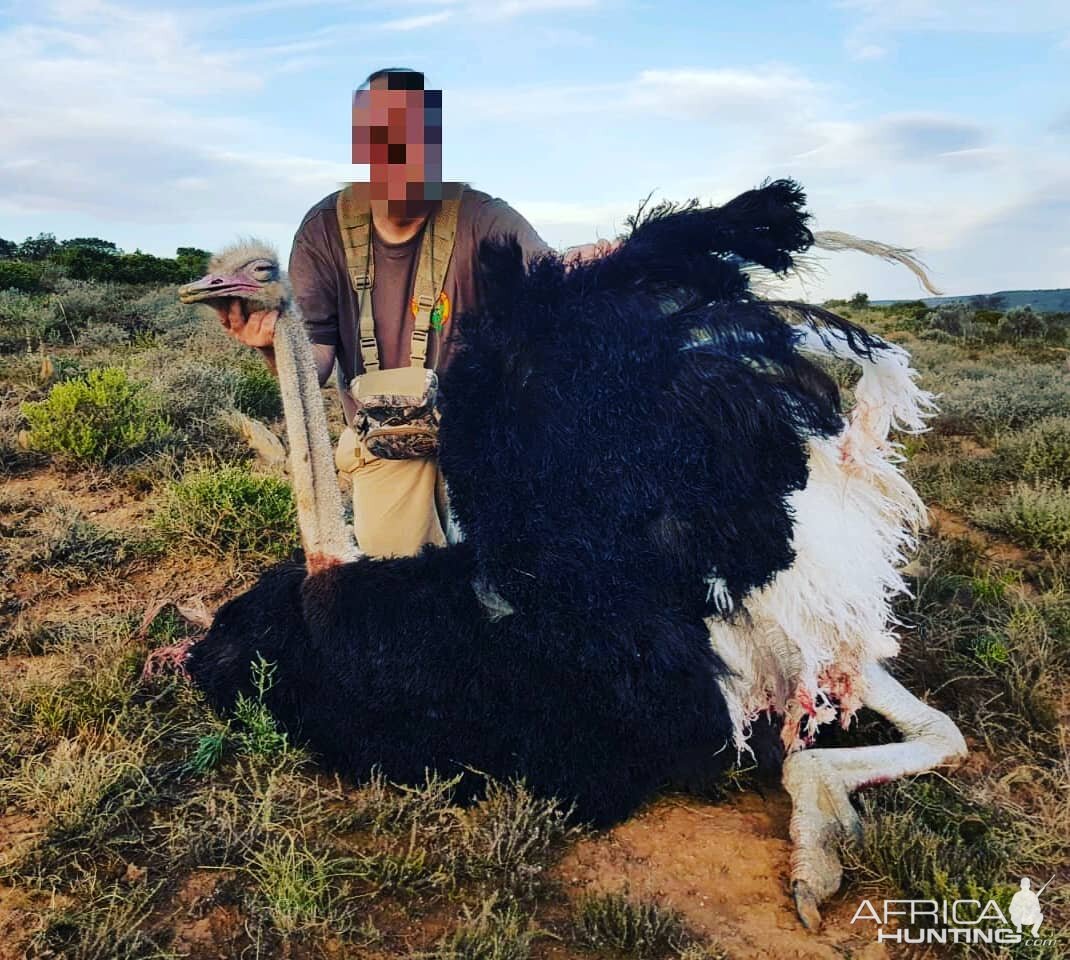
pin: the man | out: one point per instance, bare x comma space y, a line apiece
1025, 908
398, 505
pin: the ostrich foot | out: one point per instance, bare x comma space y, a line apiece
169, 659
821, 781
822, 815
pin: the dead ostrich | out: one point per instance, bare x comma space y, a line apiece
643, 460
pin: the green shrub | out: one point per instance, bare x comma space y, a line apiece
193, 393
257, 390
156, 312
97, 420
932, 841
231, 511
77, 306
1035, 515
992, 399
1042, 452
16, 275
102, 335
23, 318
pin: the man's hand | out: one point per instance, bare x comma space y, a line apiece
588, 251
255, 329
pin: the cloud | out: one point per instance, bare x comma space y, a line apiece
119, 114
416, 23
960, 16
877, 22
922, 136
722, 94
866, 51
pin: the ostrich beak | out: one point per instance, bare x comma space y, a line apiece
215, 286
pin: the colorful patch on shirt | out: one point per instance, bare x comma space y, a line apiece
440, 315
440, 312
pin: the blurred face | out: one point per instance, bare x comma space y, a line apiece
398, 133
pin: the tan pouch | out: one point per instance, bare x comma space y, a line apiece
396, 415
348, 454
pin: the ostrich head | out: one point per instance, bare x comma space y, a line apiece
247, 271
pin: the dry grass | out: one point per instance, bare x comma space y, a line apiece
123, 783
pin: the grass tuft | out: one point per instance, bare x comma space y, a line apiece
610, 921
231, 511
494, 932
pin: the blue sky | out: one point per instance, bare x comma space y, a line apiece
942, 125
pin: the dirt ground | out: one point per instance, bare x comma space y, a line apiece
724, 868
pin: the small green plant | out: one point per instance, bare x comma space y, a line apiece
639, 929
298, 887
933, 841
494, 932
231, 510
257, 391
411, 868
1035, 515
260, 736
991, 650
97, 420
209, 751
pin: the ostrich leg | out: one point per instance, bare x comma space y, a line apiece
820, 783
319, 502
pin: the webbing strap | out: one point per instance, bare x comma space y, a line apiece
436, 251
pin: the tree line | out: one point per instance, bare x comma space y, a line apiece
38, 261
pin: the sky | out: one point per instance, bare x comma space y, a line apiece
940, 125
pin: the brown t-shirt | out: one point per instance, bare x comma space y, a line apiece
330, 305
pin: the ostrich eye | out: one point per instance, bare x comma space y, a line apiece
264, 269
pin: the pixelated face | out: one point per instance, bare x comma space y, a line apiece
398, 133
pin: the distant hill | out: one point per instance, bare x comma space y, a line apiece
1042, 301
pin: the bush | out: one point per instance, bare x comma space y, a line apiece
257, 390
231, 511
23, 318
102, 335
1040, 453
194, 393
16, 275
77, 544
1035, 515
97, 420
1022, 323
78, 305
157, 311
991, 399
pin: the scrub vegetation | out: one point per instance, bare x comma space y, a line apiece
135, 824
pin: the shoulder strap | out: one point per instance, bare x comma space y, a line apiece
436, 251
355, 223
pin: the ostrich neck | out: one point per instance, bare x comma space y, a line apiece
319, 502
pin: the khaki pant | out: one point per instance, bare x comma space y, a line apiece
398, 505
